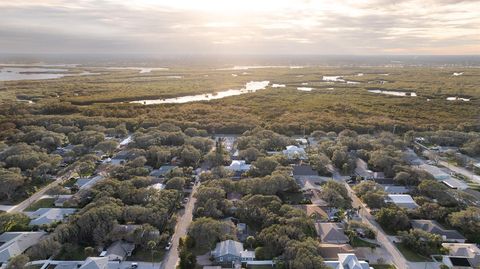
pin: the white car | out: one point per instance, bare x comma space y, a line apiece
169, 245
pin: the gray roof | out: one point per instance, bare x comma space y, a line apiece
432, 226
15, 243
49, 215
304, 170
95, 263
331, 232
228, 247
393, 189
162, 171
120, 250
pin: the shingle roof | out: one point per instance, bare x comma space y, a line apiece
15, 243
49, 215
304, 170
95, 263
228, 247
331, 233
432, 226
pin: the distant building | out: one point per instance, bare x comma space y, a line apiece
229, 251
304, 172
295, 153
347, 261
436, 172
162, 171
331, 233
433, 227
402, 200
44, 216
459, 254
15, 243
394, 189
238, 167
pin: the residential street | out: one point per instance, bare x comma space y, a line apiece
461, 170
172, 258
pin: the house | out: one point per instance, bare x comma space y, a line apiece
331, 233
61, 199
454, 183
162, 171
402, 200
394, 189
119, 250
304, 172
238, 167
436, 172
347, 261
229, 251
95, 263
43, 216
295, 153
460, 254
15, 243
86, 183
433, 227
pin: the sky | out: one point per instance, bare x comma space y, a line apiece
349, 27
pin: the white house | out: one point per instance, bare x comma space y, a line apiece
294, 152
238, 166
347, 261
402, 200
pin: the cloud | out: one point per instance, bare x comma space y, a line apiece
248, 26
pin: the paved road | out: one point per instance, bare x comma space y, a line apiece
461, 170
171, 258
38, 195
395, 256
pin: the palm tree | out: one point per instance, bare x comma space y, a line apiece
151, 245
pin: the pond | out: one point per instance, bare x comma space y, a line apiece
395, 93
36, 73
250, 87
141, 70
455, 98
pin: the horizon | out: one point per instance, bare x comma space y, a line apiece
286, 27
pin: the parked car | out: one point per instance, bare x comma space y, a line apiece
169, 245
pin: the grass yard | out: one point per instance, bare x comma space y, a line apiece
142, 255
46, 202
383, 266
358, 242
410, 255
72, 252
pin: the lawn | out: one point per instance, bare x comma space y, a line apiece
72, 252
146, 256
383, 266
46, 202
410, 255
358, 242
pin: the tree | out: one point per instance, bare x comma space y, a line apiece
151, 246
320, 163
10, 180
190, 155
250, 241
13, 222
17, 262
422, 242
375, 199
333, 198
263, 166
44, 249
175, 183
468, 221
89, 251
207, 231
249, 155
304, 254
187, 258
107, 146
393, 219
